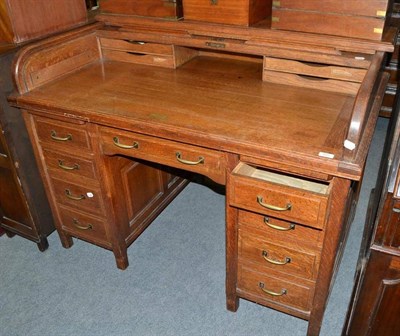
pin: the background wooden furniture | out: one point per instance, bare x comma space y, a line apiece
24, 209
375, 306
23, 20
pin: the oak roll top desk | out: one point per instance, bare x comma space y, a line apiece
120, 111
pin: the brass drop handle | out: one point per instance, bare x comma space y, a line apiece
77, 224
54, 136
135, 144
214, 2
61, 165
275, 262
75, 198
277, 227
269, 292
273, 207
186, 162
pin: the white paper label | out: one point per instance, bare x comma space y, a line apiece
326, 155
349, 145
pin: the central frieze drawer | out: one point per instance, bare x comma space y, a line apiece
273, 194
197, 159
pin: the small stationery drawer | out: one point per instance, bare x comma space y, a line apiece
69, 135
69, 165
82, 225
279, 258
77, 196
137, 46
197, 159
238, 12
315, 69
265, 289
147, 59
296, 236
273, 194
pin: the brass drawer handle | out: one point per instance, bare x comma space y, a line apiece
275, 262
273, 207
191, 163
135, 144
277, 227
77, 224
54, 136
283, 291
75, 198
61, 165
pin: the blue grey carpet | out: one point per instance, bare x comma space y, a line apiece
173, 286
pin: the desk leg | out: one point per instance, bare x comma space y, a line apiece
121, 258
232, 300
339, 215
66, 240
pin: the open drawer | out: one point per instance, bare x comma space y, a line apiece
278, 195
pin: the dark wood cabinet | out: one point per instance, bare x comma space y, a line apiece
24, 209
375, 305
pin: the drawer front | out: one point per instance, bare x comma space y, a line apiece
200, 160
82, 225
281, 232
66, 135
78, 196
138, 58
315, 69
137, 46
266, 289
290, 203
276, 257
69, 165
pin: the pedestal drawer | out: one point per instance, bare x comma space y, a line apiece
87, 198
281, 232
278, 195
71, 136
69, 164
267, 289
277, 257
197, 159
83, 225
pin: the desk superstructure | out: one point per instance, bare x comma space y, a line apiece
120, 111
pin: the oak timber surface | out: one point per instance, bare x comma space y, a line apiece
222, 101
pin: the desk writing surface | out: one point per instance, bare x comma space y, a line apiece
223, 100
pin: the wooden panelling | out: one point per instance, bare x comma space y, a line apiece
22, 20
